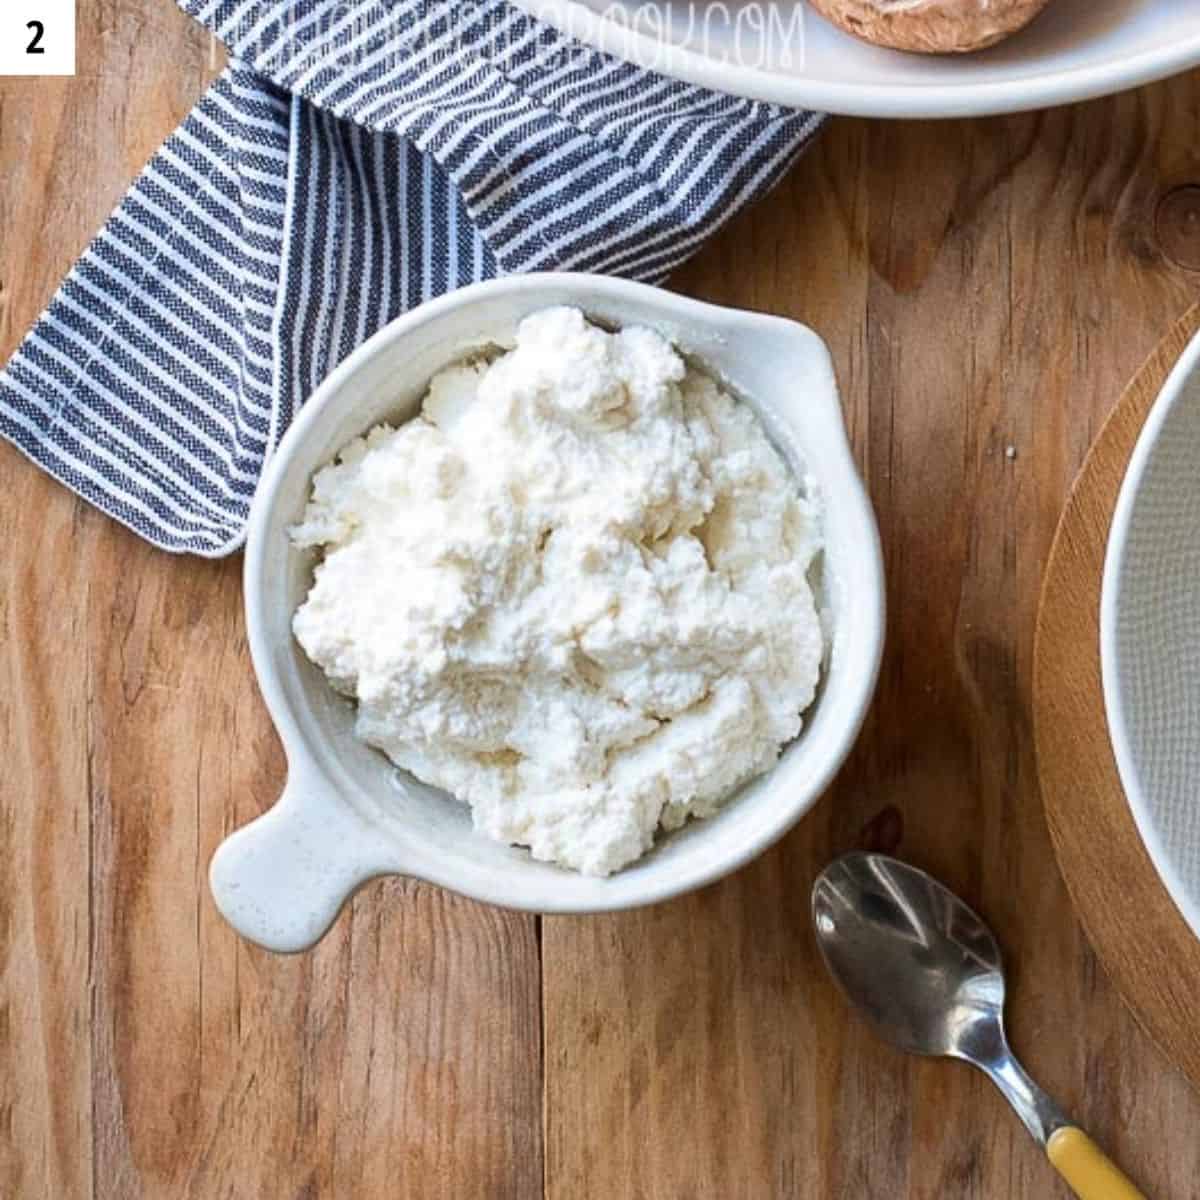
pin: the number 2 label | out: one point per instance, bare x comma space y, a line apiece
37, 37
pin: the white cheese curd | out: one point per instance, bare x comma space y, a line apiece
573, 592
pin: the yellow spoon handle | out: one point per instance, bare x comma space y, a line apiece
1091, 1174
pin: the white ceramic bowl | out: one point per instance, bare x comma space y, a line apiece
1150, 635
346, 813
781, 51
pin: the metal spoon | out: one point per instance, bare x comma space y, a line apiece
926, 972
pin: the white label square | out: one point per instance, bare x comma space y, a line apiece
37, 37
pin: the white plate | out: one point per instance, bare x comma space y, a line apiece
780, 50
1150, 635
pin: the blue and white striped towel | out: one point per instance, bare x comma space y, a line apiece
355, 159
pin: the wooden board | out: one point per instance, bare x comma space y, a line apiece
1139, 934
982, 285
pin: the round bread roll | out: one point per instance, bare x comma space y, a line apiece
931, 26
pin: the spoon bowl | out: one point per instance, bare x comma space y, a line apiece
919, 964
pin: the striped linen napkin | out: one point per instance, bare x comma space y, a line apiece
354, 160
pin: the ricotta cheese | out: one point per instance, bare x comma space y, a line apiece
573, 592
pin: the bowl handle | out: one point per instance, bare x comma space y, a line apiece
282, 879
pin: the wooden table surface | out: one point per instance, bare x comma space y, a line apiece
986, 287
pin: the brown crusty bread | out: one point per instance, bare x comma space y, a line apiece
931, 26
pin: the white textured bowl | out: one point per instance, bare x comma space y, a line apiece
1150, 635
346, 813
781, 51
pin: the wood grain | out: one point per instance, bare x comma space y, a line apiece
144, 1051
983, 285
1144, 942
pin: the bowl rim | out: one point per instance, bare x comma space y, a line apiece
1111, 659
870, 620
897, 101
